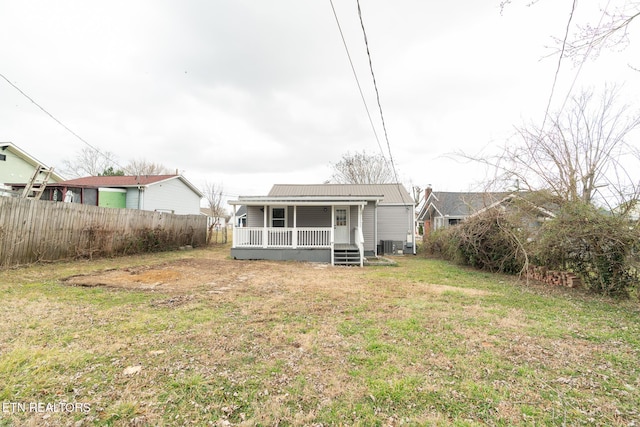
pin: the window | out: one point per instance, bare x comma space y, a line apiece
3, 157
341, 217
278, 217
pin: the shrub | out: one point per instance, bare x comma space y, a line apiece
597, 246
492, 241
443, 243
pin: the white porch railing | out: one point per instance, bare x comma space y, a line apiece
282, 237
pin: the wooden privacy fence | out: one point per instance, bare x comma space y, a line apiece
36, 230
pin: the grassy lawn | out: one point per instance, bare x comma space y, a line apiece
266, 343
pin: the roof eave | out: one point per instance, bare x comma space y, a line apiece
304, 200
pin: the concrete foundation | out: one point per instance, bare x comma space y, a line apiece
308, 255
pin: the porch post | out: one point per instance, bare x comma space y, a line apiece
360, 209
333, 234
294, 238
265, 231
233, 236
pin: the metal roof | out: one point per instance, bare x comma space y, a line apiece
386, 193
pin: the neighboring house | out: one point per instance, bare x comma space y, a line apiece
162, 193
530, 214
16, 166
440, 209
240, 217
213, 221
332, 223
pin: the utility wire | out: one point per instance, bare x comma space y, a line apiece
355, 75
562, 51
59, 122
375, 85
585, 56
557, 73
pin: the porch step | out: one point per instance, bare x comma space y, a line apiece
346, 256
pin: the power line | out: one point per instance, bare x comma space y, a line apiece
355, 75
582, 62
59, 122
586, 55
375, 85
557, 73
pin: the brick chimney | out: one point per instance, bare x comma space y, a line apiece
427, 192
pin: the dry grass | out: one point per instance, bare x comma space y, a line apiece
194, 338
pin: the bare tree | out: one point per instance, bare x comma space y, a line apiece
583, 150
611, 30
145, 167
362, 168
417, 194
89, 162
214, 196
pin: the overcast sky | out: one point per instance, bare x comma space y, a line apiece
248, 94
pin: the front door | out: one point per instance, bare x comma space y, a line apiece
341, 225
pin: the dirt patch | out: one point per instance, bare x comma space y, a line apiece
218, 276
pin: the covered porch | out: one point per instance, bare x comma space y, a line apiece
315, 229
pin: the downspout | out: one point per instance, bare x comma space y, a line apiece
140, 197
414, 229
375, 228
360, 237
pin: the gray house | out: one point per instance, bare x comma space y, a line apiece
441, 209
332, 223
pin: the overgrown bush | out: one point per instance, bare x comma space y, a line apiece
596, 245
442, 243
602, 249
492, 241
150, 240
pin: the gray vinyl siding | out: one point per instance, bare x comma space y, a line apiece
307, 216
394, 222
368, 227
171, 196
255, 217
132, 200
312, 216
